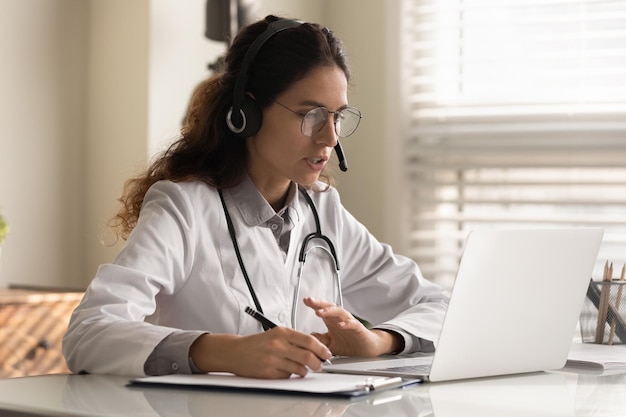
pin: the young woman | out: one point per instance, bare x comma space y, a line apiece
222, 220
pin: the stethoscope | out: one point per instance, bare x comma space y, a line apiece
308, 244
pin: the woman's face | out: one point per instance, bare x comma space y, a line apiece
279, 152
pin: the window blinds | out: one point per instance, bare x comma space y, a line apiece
517, 119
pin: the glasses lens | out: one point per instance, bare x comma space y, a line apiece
314, 121
347, 121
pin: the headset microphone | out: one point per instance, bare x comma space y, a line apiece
343, 164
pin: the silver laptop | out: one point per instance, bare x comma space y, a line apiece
513, 309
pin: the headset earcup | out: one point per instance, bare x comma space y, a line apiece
249, 110
253, 117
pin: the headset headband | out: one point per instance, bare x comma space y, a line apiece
236, 116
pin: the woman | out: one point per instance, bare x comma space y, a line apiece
217, 222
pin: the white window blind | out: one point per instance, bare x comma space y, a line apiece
517, 119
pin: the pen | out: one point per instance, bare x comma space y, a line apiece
372, 384
261, 318
603, 304
618, 302
270, 324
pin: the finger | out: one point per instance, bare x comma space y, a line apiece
295, 368
339, 318
286, 361
303, 349
279, 353
317, 303
314, 350
299, 361
271, 365
333, 312
308, 360
327, 310
269, 373
283, 369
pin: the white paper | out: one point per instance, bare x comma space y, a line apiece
597, 356
314, 382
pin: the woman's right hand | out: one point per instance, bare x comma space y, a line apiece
276, 353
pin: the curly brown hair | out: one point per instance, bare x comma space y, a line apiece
207, 150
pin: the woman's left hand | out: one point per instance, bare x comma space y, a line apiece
347, 336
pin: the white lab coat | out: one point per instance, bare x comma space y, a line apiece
179, 270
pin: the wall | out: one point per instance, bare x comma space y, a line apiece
92, 88
43, 46
116, 134
146, 57
362, 187
179, 55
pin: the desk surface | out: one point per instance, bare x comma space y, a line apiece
540, 394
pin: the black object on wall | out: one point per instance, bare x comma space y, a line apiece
224, 18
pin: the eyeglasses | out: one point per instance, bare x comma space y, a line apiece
345, 120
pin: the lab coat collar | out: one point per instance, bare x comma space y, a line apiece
253, 207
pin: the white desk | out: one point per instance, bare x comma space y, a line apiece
540, 394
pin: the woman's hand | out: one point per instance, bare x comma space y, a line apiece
277, 353
347, 336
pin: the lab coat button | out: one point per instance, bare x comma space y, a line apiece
282, 317
174, 366
274, 226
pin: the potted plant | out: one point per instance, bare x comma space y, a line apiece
4, 229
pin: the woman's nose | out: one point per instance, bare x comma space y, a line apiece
328, 134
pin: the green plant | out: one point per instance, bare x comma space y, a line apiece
4, 229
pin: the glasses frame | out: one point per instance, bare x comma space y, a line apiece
352, 110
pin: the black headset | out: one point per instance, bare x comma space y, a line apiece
244, 117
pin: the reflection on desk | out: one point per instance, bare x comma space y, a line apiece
538, 394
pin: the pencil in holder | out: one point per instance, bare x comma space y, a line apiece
603, 317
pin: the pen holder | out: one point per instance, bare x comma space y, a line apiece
603, 316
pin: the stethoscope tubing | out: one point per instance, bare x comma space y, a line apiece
304, 250
337, 276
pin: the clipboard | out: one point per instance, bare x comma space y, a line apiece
315, 383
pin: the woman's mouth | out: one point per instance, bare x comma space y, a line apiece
317, 163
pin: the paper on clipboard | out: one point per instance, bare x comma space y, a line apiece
314, 383
593, 356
